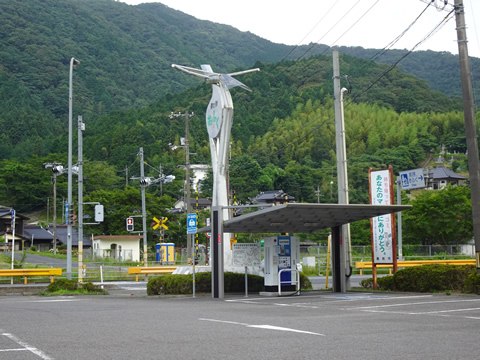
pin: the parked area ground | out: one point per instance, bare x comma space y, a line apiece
314, 325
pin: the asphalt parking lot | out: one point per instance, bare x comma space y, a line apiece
314, 325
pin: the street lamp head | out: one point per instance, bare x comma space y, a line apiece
146, 181
74, 62
57, 169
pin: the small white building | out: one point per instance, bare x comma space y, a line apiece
200, 172
120, 247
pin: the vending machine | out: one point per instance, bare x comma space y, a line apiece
281, 253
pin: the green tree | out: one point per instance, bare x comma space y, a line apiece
442, 217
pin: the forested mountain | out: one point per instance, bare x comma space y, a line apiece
125, 55
283, 135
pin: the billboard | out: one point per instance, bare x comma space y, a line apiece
383, 227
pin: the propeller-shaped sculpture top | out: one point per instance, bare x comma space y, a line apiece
216, 78
220, 108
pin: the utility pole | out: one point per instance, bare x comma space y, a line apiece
81, 128
342, 178
188, 206
144, 208
470, 129
54, 214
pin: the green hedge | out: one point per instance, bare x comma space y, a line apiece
233, 283
430, 278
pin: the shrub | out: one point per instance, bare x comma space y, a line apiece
383, 283
431, 278
472, 283
386, 283
233, 283
62, 284
91, 287
305, 283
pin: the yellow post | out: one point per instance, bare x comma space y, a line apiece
25, 280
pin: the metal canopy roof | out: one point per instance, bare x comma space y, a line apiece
304, 218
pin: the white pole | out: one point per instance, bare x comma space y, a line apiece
12, 212
73, 62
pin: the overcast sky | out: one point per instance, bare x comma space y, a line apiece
365, 23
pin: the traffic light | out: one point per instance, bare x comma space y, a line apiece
129, 224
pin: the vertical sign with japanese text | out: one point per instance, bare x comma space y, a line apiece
382, 226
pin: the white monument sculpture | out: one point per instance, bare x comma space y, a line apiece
219, 117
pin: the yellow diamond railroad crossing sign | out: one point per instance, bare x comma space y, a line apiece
159, 223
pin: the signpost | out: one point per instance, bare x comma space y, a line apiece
159, 223
412, 179
407, 180
384, 240
246, 254
191, 223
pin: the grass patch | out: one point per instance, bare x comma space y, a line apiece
71, 287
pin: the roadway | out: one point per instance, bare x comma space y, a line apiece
317, 325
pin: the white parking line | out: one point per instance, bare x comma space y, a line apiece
25, 347
410, 304
266, 327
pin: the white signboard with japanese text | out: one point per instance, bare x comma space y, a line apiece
246, 254
382, 227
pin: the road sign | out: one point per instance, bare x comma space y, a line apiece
412, 179
159, 223
191, 223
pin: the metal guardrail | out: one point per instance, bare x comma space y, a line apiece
30, 272
142, 270
368, 264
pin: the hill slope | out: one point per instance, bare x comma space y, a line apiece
125, 55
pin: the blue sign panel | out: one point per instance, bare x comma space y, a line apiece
412, 179
191, 223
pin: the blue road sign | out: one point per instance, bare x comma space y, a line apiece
412, 179
191, 223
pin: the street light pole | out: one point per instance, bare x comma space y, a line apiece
73, 63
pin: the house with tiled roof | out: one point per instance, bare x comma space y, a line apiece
439, 177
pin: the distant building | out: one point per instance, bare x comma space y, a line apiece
6, 232
118, 247
180, 206
439, 177
274, 197
37, 236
